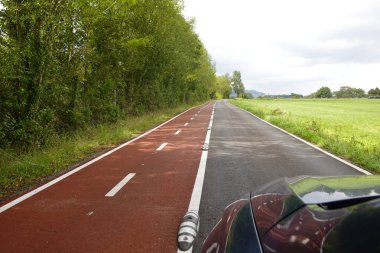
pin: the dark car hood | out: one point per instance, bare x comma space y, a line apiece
276, 201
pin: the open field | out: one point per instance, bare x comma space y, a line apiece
349, 128
21, 170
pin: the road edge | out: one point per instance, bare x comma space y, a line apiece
308, 143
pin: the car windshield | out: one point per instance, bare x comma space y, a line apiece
314, 190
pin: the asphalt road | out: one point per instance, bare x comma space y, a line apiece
133, 198
246, 153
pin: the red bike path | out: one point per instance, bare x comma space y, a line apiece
74, 215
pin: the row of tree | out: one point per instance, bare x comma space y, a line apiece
227, 84
344, 92
67, 64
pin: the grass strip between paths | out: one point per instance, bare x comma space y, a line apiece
21, 171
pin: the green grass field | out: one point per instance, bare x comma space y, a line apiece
349, 128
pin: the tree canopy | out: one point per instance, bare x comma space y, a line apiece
374, 92
323, 92
349, 92
69, 64
223, 86
237, 83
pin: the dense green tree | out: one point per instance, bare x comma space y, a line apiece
294, 95
246, 95
349, 92
70, 64
223, 86
237, 83
323, 92
374, 92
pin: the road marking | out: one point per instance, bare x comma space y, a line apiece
176, 133
120, 185
58, 179
163, 145
198, 185
186, 124
310, 144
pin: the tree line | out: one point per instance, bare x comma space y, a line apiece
69, 64
228, 85
344, 92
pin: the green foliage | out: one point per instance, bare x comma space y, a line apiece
245, 95
349, 92
323, 92
294, 95
223, 87
237, 84
66, 65
374, 92
347, 127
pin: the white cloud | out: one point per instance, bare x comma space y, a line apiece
294, 45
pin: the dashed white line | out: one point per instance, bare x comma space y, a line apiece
176, 133
120, 185
163, 145
186, 124
191, 118
71, 172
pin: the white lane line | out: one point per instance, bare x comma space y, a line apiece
197, 190
186, 124
58, 179
177, 133
120, 185
163, 145
311, 145
191, 118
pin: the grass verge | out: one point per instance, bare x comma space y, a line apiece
349, 128
20, 171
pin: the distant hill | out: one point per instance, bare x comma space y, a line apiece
255, 93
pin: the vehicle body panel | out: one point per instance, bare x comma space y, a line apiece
304, 215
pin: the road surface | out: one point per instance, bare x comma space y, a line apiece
246, 153
133, 198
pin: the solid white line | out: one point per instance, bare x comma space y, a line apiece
58, 179
176, 133
163, 145
120, 185
186, 124
311, 145
197, 190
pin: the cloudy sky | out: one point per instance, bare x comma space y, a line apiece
292, 46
